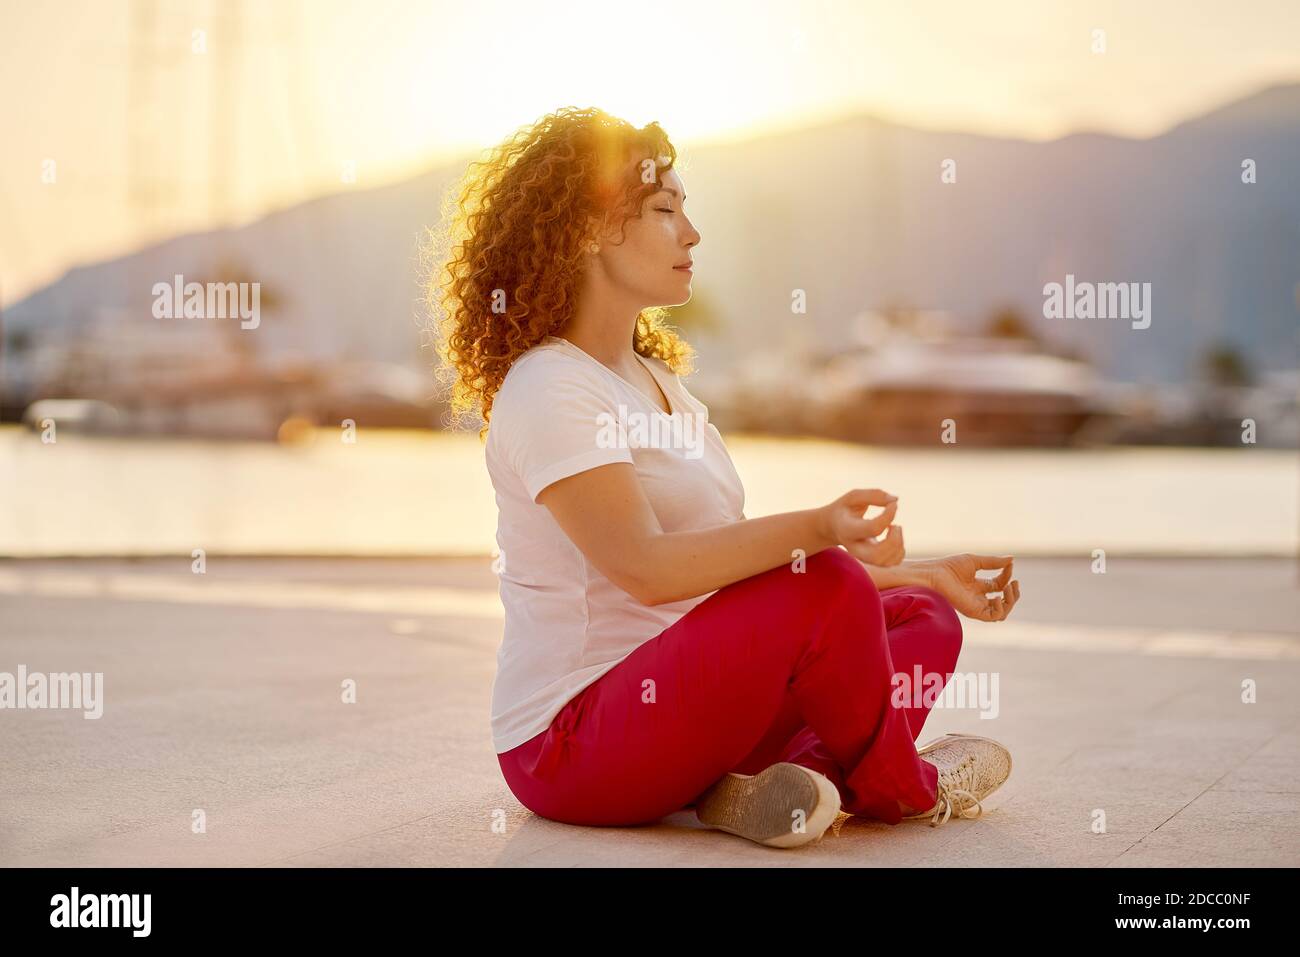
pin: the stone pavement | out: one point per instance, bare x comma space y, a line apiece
1119, 694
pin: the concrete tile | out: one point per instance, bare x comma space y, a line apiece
1224, 829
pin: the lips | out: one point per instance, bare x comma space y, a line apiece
684, 267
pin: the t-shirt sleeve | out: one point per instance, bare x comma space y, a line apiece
556, 421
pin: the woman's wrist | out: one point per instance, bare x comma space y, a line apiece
822, 532
906, 572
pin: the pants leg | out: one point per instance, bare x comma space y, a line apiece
689, 705
923, 630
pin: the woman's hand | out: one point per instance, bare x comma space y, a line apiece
954, 577
844, 524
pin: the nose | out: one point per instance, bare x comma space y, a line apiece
692, 235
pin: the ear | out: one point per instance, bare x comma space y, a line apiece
594, 233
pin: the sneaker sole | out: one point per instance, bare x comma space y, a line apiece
760, 807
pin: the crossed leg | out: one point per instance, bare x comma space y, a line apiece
923, 629
733, 683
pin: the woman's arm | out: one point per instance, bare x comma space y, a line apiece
910, 572
605, 513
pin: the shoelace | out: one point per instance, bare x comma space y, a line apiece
956, 783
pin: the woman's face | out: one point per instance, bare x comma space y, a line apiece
652, 264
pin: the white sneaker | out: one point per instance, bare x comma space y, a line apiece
970, 769
785, 805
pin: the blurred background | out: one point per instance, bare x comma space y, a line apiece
882, 199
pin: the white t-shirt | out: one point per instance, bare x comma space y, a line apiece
558, 412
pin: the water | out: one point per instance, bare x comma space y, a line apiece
419, 493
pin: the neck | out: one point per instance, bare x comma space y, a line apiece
603, 325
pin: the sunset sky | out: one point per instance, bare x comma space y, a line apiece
156, 128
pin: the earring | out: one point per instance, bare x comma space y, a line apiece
594, 247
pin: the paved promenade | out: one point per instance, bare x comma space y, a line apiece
1119, 694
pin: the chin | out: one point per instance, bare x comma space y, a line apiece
667, 297
678, 297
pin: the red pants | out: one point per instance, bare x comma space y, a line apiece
782, 666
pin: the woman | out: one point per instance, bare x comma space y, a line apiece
661, 650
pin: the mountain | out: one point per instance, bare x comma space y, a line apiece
852, 212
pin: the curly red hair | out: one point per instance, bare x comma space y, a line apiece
515, 230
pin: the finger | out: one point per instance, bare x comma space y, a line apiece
874, 526
997, 608
999, 583
895, 539
862, 498
889, 550
989, 562
885, 555
1010, 602
851, 529
857, 512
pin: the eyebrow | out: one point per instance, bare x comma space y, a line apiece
669, 189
